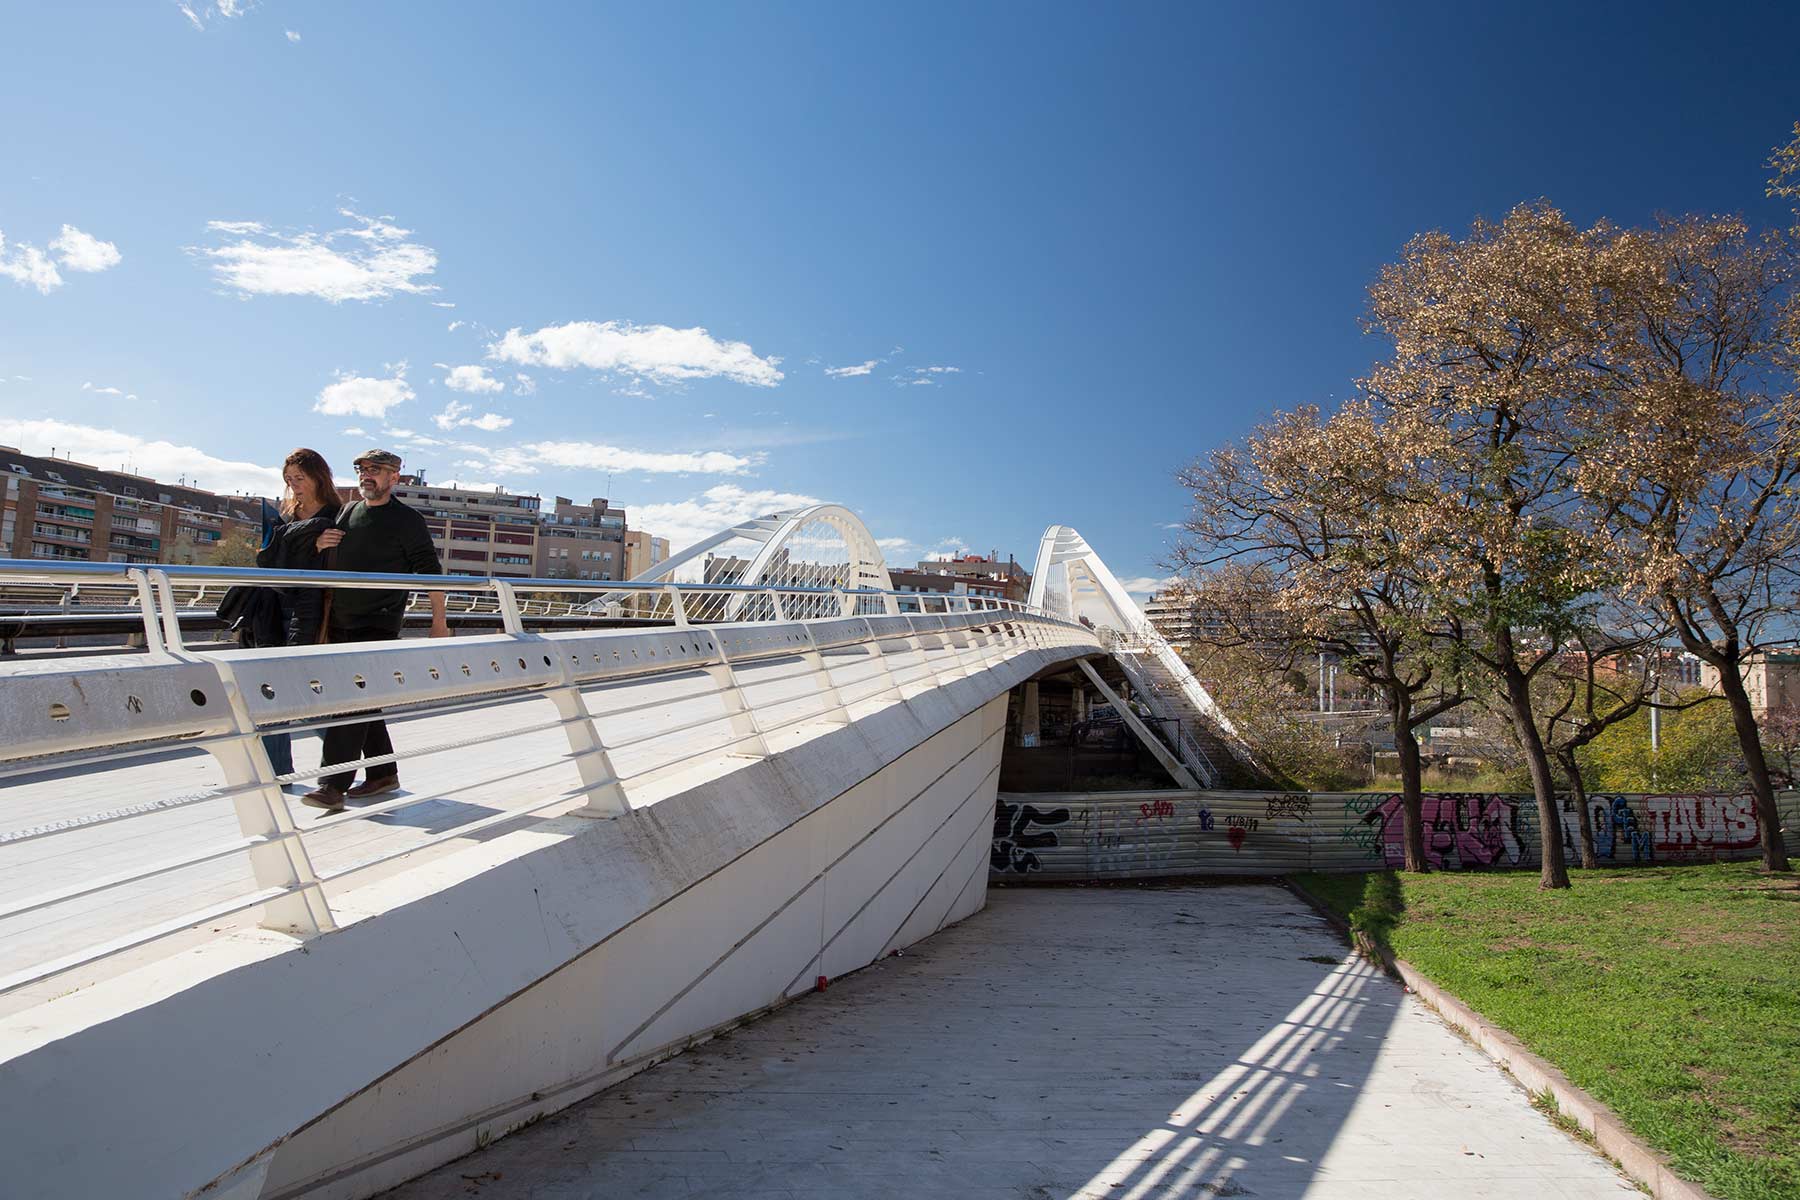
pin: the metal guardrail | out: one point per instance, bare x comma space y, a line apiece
822, 649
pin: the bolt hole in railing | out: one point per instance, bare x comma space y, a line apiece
593, 721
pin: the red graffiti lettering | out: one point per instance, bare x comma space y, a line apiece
1157, 810
1700, 826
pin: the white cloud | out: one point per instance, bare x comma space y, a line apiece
473, 485
455, 416
355, 431
595, 456
655, 352
292, 36
362, 396
156, 458
528, 458
399, 433
524, 385
28, 266
199, 14
1141, 587
367, 261
863, 368
688, 521
472, 379
453, 326
80, 251
104, 391
926, 376
443, 304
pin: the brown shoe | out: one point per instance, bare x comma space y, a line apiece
325, 797
374, 787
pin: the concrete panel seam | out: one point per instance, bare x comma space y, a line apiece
978, 874
696, 981
851, 919
791, 901
975, 797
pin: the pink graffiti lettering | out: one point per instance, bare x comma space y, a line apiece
1462, 830
1700, 826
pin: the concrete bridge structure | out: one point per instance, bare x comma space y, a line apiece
761, 769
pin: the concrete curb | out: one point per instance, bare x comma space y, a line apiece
1646, 1166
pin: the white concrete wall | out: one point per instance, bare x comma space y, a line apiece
892, 860
512, 978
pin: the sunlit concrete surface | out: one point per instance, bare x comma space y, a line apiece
1069, 1043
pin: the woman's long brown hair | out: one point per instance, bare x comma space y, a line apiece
313, 465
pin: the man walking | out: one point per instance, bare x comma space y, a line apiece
380, 535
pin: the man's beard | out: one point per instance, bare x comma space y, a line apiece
372, 489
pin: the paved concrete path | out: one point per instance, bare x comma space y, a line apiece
1069, 1043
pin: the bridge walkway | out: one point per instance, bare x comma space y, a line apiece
111, 818
1066, 1044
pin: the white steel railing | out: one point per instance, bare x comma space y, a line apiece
624, 707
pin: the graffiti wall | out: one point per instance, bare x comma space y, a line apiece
1120, 835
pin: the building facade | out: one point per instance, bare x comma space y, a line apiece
1174, 614
970, 574
582, 541
643, 551
476, 532
1771, 677
55, 508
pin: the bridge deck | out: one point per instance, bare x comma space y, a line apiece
1119, 1043
442, 790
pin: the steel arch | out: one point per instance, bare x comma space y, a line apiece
867, 566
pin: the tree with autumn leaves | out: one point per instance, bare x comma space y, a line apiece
1584, 445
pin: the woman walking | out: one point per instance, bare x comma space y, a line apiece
308, 509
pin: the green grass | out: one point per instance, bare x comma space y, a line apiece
1670, 993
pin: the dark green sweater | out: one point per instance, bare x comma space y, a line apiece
387, 539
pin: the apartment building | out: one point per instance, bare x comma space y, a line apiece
970, 574
476, 532
582, 541
1174, 614
56, 508
1771, 678
643, 551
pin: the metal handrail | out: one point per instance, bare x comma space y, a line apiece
905, 639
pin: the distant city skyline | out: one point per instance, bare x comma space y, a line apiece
965, 273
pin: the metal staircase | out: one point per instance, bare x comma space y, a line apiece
1165, 684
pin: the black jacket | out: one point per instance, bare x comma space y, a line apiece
292, 547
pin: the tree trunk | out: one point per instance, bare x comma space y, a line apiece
1411, 786
1555, 872
1743, 718
1585, 821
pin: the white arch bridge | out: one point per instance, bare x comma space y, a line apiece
632, 815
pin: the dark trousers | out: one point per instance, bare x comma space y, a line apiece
364, 739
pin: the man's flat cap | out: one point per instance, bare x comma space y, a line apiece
377, 458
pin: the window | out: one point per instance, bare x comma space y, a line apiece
606, 554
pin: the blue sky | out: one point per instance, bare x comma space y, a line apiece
969, 270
